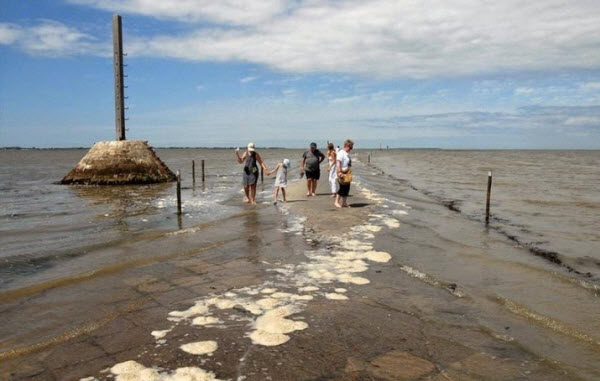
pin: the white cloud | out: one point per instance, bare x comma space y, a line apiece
401, 39
50, 38
583, 121
591, 86
384, 95
238, 12
524, 90
9, 33
249, 79
346, 99
380, 38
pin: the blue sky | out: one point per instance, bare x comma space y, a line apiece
448, 74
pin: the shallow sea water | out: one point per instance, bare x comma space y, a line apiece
529, 281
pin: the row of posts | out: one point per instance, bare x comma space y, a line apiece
262, 180
488, 195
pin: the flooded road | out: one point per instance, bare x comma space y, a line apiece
397, 287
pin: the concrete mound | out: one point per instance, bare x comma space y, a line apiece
120, 162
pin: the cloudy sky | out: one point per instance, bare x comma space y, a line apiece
445, 73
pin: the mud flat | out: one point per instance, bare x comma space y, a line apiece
297, 291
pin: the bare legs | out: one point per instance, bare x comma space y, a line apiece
340, 202
311, 187
276, 194
247, 193
253, 193
337, 201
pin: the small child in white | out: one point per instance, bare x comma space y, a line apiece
280, 179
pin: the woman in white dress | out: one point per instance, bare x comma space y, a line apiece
333, 182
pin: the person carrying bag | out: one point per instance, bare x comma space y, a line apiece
344, 173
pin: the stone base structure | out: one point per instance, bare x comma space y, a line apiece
118, 163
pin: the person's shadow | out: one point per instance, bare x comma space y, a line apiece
359, 205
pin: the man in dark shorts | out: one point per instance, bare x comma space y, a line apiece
311, 160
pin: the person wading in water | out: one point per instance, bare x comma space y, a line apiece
250, 158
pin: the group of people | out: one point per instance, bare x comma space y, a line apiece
339, 170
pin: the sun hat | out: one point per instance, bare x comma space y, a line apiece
313, 144
251, 147
286, 162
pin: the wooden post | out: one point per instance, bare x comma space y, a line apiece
487, 201
178, 193
118, 69
202, 170
193, 171
262, 175
369, 159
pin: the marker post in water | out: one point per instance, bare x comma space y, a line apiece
178, 193
194, 172
262, 175
202, 170
487, 201
369, 159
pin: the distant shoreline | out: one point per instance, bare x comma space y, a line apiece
296, 148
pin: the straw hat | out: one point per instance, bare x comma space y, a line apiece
251, 147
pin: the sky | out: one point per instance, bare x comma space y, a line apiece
453, 74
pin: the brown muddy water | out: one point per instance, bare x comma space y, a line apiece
92, 277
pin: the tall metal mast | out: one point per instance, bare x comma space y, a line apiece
118, 66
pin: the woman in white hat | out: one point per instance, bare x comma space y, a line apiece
250, 158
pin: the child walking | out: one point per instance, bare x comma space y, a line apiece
280, 179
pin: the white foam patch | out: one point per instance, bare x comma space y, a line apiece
197, 309
134, 371
271, 328
206, 320
302, 297
200, 347
160, 334
268, 303
370, 195
372, 228
340, 290
391, 222
334, 296
377, 256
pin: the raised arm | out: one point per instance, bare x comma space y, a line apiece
238, 158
